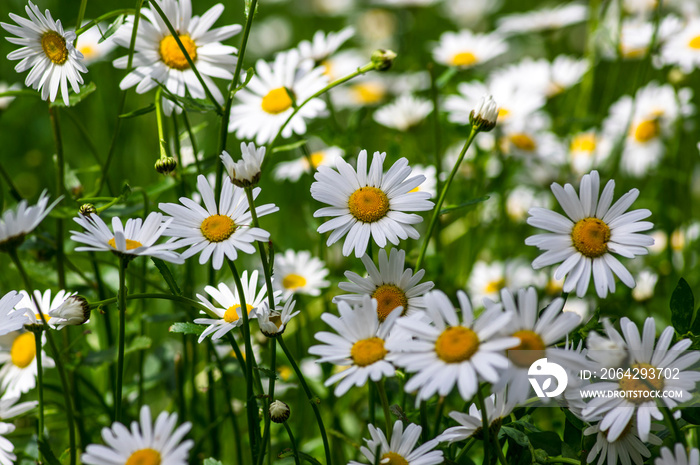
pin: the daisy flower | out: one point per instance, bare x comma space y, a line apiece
268, 99
627, 449
679, 456
370, 203
228, 312
245, 172
488, 278
15, 224
359, 344
588, 150
545, 18
402, 447
18, 356
465, 49
91, 48
48, 50
158, 58
585, 241
535, 336
9, 408
216, 231
11, 319
404, 113
299, 273
646, 281
46, 304
646, 355
519, 201
471, 424
137, 237
324, 45
391, 285
294, 169
145, 443
274, 323
683, 48
449, 352
430, 183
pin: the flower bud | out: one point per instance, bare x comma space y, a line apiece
484, 116
75, 310
383, 59
245, 172
87, 209
279, 411
166, 165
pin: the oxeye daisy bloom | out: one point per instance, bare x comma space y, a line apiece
11, 319
430, 183
293, 170
245, 172
137, 237
46, 304
471, 424
146, 443
268, 99
370, 203
588, 150
655, 359
585, 239
90, 46
683, 48
487, 279
216, 231
324, 45
299, 273
159, 60
679, 456
402, 447
627, 448
18, 356
16, 224
448, 350
274, 323
535, 336
359, 344
391, 285
404, 113
545, 18
464, 49
48, 51
228, 314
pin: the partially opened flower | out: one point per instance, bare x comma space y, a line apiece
73, 311
46, 304
245, 172
16, 224
274, 323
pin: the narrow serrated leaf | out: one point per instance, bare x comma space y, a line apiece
114, 27
288, 147
167, 275
74, 99
187, 328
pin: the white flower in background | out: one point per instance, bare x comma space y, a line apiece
453, 350
6, 101
370, 203
469, 13
683, 48
90, 46
585, 239
646, 281
471, 424
18, 356
588, 150
369, 90
244, 172
391, 285
679, 456
358, 344
404, 113
636, 35
343, 63
430, 183
271, 33
521, 199
159, 59
541, 76
581, 307
9, 408
404, 3
275, 322
11, 319
268, 100
609, 350
628, 448
333, 7
48, 51
17, 223
487, 279
532, 140
219, 230
294, 169
465, 49
299, 273
645, 355
546, 18
324, 45
137, 238
402, 447
146, 442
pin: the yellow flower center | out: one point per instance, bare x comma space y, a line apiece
38, 317
642, 384
172, 55
694, 43
23, 350
317, 159
88, 51
54, 46
392, 458
130, 245
456, 344
583, 143
232, 315
494, 286
293, 281
285, 373
523, 141
144, 457
276, 101
531, 348
368, 204
217, 228
503, 113
368, 92
464, 59
647, 130
590, 237
388, 298
368, 351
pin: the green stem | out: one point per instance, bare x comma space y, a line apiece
81, 14
227, 394
261, 249
60, 189
178, 298
99, 19
121, 305
310, 396
425, 431
193, 141
40, 378
385, 406
678, 435
484, 426
562, 460
438, 415
470, 442
270, 398
443, 194
294, 445
162, 142
8, 179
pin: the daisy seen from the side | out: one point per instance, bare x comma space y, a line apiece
274, 323
401, 449
16, 223
246, 171
299, 273
464, 49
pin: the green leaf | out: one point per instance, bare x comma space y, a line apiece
167, 275
187, 328
48, 454
141, 111
452, 208
682, 306
518, 436
116, 24
212, 461
288, 147
74, 99
267, 373
549, 441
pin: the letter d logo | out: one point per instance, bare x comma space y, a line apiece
541, 368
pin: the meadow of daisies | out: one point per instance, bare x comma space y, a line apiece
393, 232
